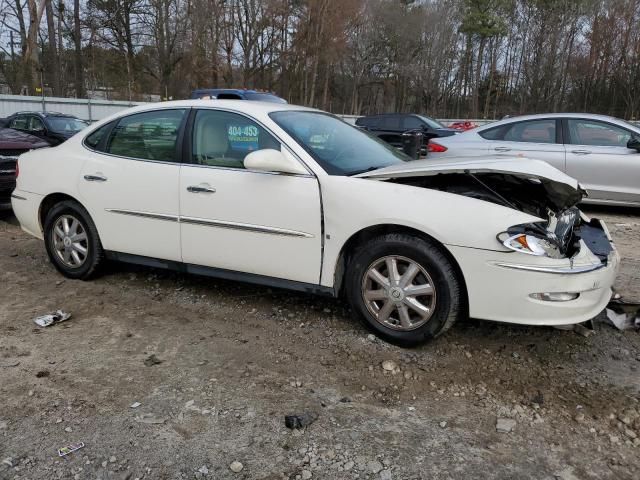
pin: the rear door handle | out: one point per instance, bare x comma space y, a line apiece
581, 152
95, 178
502, 149
200, 189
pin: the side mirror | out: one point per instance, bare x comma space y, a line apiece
634, 144
269, 160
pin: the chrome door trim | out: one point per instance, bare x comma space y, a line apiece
247, 227
153, 216
244, 226
17, 197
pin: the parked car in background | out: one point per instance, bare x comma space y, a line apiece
54, 128
12, 144
463, 125
390, 128
235, 94
296, 198
601, 152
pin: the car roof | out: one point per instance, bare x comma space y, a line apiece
238, 105
541, 116
44, 114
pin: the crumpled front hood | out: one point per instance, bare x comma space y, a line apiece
563, 191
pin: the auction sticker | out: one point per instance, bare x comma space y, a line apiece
244, 138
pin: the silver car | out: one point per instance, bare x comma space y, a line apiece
601, 152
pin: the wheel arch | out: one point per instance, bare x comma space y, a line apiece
365, 234
48, 203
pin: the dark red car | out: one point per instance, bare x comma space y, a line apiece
12, 144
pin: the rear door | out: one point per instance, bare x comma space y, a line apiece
129, 183
597, 155
539, 139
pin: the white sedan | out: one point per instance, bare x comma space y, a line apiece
293, 197
602, 152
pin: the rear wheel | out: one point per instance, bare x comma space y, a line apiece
404, 288
72, 241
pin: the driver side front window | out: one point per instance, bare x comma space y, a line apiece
224, 139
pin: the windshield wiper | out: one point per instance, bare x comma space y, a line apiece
358, 172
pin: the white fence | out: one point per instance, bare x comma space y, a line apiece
86, 109
92, 110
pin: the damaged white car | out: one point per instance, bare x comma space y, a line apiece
292, 197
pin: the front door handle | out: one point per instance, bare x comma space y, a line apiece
502, 149
581, 152
200, 189
95, 178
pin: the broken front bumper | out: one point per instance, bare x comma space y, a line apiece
507, 287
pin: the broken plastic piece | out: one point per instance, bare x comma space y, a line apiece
70, 449
52, 318
300, 420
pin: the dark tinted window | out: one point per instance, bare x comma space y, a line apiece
66, 124
592, 132
391, 122
411, 122
93, 140
533, 131
20, 122
147, 136
223, 139
495, 133
36, 125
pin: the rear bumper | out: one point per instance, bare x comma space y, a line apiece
25, 207
500, 285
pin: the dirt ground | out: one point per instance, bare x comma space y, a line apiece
235, 359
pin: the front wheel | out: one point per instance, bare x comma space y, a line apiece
404, 288
72, 240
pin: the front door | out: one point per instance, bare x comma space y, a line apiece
129, 183
234, 219
597, 155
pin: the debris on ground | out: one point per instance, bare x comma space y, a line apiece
152, 360
300, 421
505, 425
135, 405
70, 449
150, 419
52, 318
623, 315
389, 365
236, 467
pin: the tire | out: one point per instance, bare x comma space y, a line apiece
82, 235
408, 323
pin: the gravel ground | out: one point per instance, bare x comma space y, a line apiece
484, 401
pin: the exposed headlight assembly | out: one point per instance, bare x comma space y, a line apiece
553, 239
532, 245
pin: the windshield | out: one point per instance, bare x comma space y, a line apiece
339, 148
431, 122
264, 97
66, 124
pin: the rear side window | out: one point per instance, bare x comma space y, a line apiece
411, 122
534, 131
495, 133
94, 140
148, 136
19, 122
391, 122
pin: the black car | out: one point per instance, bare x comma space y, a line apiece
54, 128
391, 126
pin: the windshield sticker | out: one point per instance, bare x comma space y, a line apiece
244, 138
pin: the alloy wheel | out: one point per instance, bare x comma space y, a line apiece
70, 241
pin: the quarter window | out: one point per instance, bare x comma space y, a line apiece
147, 136
93, 140
224, 139
36, 125
592, 132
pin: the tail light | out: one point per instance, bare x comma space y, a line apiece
436, 147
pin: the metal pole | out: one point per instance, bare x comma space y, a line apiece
44, 108
89, 108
